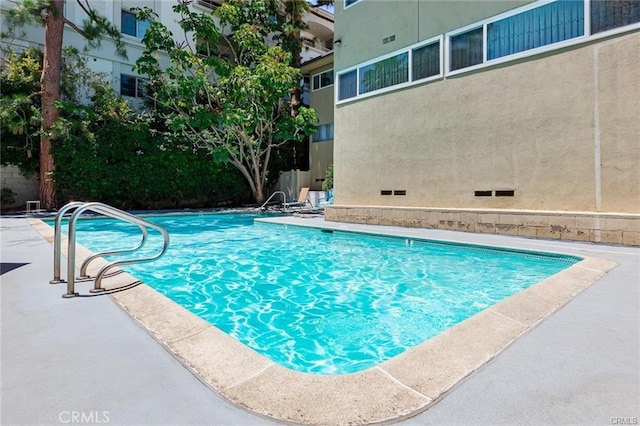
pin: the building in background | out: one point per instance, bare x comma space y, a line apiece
517, 117
317, 41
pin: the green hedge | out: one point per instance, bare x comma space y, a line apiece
130, 165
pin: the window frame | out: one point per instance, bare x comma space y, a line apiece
411, 82
137, 24
466, 29
328, 126
347, 6
210, 5
445, 55
138, 86
319, 74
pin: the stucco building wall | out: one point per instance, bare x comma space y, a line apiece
321, 152
534, 127
560, 129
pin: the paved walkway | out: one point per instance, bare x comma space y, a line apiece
84, 360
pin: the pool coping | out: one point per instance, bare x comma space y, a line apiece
396, 389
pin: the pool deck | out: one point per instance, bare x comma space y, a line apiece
533, 360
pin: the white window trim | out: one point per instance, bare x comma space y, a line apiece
128, 37
520, 55
344, 4
410, 82
319, 73
447, 52
138, 79
201, 7
445, 42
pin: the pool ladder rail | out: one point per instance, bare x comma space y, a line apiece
284, 201
106, 210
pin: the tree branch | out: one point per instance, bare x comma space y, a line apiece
75, 27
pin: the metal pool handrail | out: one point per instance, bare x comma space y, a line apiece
106, 210
57, 249
284, 199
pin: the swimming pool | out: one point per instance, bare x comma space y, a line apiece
323, 302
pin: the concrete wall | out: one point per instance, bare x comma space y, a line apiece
609, 228
26, 188
291, 182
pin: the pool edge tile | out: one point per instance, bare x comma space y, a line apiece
370, 396
437, 365
535, 303
165, 319
219, 359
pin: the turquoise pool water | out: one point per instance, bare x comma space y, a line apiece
322, 302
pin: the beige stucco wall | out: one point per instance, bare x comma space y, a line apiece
321, 153
534, 127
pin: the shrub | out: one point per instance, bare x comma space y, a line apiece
7, 197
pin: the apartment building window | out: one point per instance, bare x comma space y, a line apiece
324, 132
348, 85
131, 25
209, 4
544, 25
466, 49
609, 14
539, 27
305, 94
385, 73
322, 80
425, 61
348, 3
131, 85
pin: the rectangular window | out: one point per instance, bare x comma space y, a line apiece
544, 25
324, 132
131, 86
610, 14
322, 80
131, 25
385, 73
348, 3
541, 26
209, 4
347, 85
305, 95
466, 49
425, 61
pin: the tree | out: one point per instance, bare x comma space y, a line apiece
229, 88
50, 14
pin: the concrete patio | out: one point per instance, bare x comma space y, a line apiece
86, 359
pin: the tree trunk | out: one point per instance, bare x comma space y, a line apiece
259, 194
50, 84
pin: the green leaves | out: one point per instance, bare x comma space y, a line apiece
20, 109
226, 86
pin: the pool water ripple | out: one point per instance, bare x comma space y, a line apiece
325, 303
